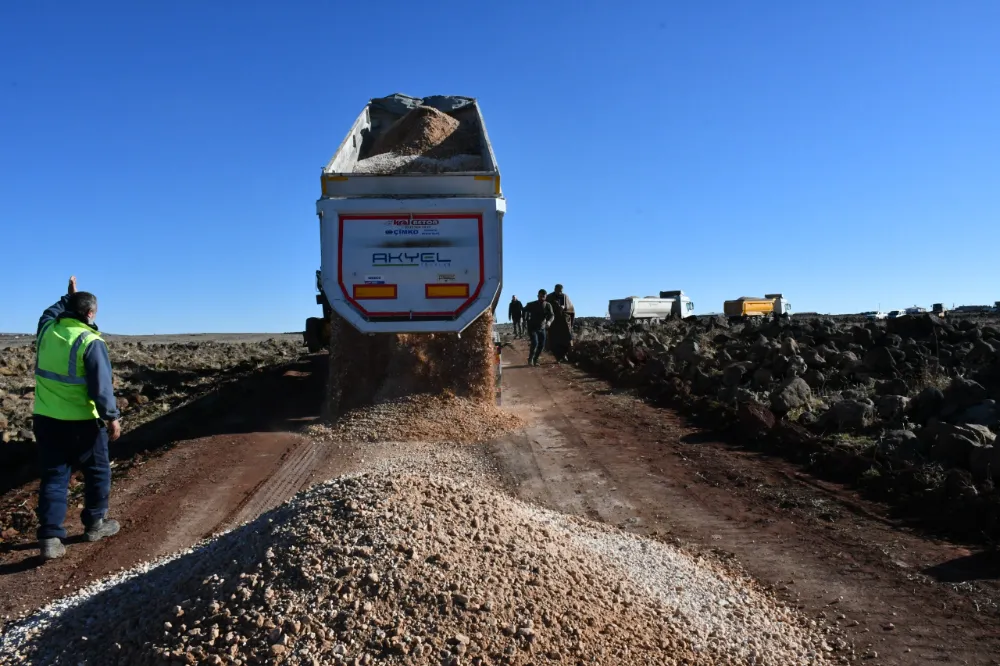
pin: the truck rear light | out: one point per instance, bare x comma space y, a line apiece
374, 291
446, 290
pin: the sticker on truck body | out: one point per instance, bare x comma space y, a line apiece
410, 253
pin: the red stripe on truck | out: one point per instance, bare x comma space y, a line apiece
443, 313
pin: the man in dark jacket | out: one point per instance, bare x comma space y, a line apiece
74, 418
561, 334
538, 316
514, 312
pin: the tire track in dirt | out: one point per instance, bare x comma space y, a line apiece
598, 447
293, 474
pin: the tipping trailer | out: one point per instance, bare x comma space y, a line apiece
669, 305
749, 306
417, 246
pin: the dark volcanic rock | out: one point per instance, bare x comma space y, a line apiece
984, 413
879, 359
892, 387
755, 417
688, 351
961, 394
953, 444
733, 374
814, 378
927, 404
920, 326
984, 462
762, 378
849, 415
792, 394
891, 407
844, 360
813, 358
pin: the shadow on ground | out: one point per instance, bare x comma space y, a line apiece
279, 398
984, 565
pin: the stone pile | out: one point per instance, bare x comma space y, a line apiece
415, 569
914, 392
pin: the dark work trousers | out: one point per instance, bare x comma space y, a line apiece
518, 328
63, 445
537, 344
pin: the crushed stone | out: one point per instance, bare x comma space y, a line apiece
390, 163
390, 567
374, 369
418, 132
422, 417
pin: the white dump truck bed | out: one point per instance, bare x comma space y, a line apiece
472, 171
409, 243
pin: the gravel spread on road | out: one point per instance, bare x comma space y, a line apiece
421, 417
390, 567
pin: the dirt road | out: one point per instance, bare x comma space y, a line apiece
900, 598
610, 457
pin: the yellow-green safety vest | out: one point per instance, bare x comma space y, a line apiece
60, 378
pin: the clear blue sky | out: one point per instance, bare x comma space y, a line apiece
168, 154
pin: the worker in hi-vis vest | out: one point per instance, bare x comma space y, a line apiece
75, 417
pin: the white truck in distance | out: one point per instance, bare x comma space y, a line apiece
669, 305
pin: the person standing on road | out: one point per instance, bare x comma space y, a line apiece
514, 313
560, 297
561, 335
75, 417
538, 316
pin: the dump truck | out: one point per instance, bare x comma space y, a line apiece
750, 306
411, 237
668, 305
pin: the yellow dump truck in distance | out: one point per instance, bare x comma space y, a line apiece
749, 306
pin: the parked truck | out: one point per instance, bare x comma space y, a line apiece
408, 244
749, 306
668, 305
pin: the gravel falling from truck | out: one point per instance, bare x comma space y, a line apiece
373, 369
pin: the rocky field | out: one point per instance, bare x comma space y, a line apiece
905, 408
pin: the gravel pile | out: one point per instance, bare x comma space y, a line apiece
388, 163
421, 130
411, 569
425, 140
424, 417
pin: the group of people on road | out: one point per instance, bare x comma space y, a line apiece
547, 322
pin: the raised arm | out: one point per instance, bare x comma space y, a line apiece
53, 311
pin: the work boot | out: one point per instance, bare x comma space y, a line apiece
51, 549
102, 529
